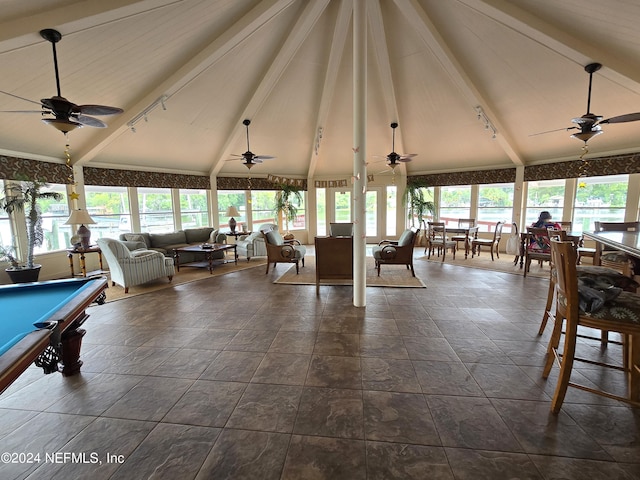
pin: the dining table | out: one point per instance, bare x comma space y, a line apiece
469, 234
627, 242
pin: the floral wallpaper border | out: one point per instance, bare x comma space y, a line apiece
14, 168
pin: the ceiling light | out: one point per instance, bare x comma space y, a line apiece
65, 126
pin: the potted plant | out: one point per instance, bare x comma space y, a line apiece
285, 205
24, 196
418, 206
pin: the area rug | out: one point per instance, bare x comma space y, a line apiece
185, 275
390, 276
503, 264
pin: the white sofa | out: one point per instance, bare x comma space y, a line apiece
252, 245
129, 268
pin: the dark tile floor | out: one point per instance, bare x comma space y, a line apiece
235, 377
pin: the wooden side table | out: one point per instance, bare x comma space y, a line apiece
83, 267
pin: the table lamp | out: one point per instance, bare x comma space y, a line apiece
81, 217
232, 212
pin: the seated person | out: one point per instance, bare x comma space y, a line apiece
541, 243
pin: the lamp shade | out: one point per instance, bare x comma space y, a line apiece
232, 212
79, 217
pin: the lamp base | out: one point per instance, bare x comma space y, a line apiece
232, 225
85, 236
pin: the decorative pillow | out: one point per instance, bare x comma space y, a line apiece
135, 237
213, 238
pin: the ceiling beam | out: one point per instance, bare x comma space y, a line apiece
428, 32
621, 70
190, 69
384, 67
294, 40
338, 43
23, 31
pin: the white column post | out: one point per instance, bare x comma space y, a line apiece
359, 151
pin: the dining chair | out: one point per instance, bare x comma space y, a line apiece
437, 240
580, 306
492, 243
566, 226
464, 237
537, 246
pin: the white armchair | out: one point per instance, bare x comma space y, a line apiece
130, 268
253, 245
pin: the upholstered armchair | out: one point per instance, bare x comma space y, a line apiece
130, 268
396, 253
253, 245
280, 250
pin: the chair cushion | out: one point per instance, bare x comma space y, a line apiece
274, 237
625, 308
384, 253
617, 257
406, 238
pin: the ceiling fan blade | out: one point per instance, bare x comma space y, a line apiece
20, 98
263, 157
407, 157
21, 111
566, 129
99, 110
90, 121
629, 117
255, 160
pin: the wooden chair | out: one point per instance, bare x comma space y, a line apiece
493, 244
537, 247
566, 226
620, 315
283, 251
459, 237
396, 253
437, 240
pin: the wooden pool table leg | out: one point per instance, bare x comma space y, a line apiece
71, 345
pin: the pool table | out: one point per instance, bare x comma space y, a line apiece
35, 316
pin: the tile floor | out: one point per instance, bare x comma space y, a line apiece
235, 377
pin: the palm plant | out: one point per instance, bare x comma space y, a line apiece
287, 199
24, 196
414, 198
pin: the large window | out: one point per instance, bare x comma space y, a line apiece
6, 235
55, 213
156, 210
545, 195
321, 211
109, 208
455, 203
495, 204
599, 199
194, 210
233, 198
262, 203
392, 201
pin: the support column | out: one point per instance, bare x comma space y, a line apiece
359, 151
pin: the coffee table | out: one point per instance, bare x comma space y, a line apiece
207, 253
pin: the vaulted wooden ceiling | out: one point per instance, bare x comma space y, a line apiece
287, 66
